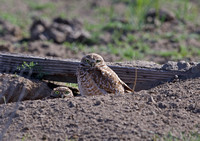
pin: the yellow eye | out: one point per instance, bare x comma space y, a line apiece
98, 61
87, 61
56, 92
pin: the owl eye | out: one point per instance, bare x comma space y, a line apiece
87, 61
56, 92
98, 61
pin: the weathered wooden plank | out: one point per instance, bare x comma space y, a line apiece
64, 70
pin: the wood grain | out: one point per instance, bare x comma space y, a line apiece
64, 70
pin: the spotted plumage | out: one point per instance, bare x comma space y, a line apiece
96, 78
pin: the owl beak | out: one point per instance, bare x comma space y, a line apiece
82, 64
92, 63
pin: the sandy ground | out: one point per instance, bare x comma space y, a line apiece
171, 108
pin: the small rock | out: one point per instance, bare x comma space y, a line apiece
21, 108
7, 47
100, 120
170, 65
158, 98
71, 104
163, 15
38, 28
162, 105
173, 105
24, 129
9, 29
44, 137
97, 103
178, 100
175, 76
196, 69
191, 107
57, 36
182, 65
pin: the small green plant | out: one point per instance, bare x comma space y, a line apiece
183, 51
25, 65
25, 45
25, 137
30, 66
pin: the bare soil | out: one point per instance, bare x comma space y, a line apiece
149, 114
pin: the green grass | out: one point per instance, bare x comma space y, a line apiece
2, 42
74, 85
124, 42
23, 19
12, 18
41, 6
181, 53
118, 26
74, 46
136, 10
134, 15
17, 20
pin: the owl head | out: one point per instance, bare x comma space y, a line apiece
92, 60
61, 92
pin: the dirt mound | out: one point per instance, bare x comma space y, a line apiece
16, 88
163, 15
60, 30
9, 31
170, 109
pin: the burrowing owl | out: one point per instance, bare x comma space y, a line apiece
95, 77
61, 92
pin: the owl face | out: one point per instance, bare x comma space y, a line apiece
92, 60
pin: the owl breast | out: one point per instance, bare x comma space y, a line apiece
87, 85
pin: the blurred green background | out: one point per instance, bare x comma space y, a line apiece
124, 29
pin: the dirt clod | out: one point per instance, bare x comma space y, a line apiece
9, 31
163, 15
60, 30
